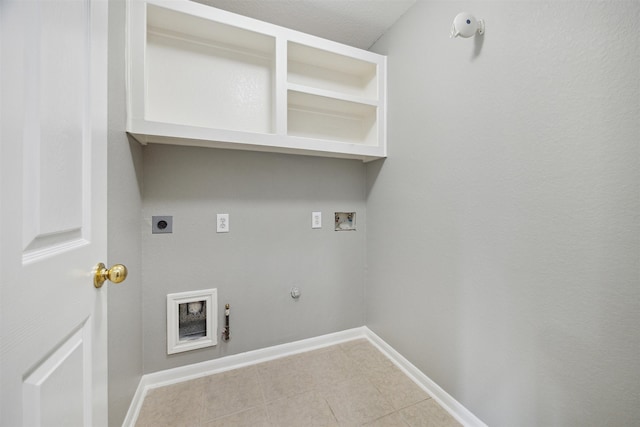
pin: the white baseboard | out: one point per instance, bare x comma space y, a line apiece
189, 372
227, 363
444, 399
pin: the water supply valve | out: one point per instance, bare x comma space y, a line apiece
226, 332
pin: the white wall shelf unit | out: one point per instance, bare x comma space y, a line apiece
205, 77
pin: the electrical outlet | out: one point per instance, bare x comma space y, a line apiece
222, 223
161, 224
316, 219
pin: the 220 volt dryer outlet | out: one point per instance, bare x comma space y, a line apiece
161, 224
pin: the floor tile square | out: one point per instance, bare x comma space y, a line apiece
309, 409
365, 356
399, 389
428, 414
174, 405
284, 377
232, 391
356, 401
329, 366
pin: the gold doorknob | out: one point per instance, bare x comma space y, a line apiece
116, 274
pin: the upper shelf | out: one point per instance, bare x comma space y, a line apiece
322, 69
202, 76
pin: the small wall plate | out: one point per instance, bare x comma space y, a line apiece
161, 224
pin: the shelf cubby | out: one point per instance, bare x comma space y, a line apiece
318, 117
207, 74
321, 69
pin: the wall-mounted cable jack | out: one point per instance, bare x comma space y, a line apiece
226, 332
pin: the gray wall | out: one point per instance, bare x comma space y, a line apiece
510, 274
124, 239
270, 248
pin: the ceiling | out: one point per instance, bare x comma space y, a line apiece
357, 23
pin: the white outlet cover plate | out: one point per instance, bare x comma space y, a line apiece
316, 219
222, 223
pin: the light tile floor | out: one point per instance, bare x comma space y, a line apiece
349, 384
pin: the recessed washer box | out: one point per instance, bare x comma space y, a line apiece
345, 221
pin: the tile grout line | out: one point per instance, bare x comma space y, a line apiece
264, 397
203, 404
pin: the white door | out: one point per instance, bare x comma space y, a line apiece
53, 61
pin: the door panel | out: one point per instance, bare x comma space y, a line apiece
53, 363
56, 117
56, 393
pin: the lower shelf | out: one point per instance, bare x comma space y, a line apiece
318, 117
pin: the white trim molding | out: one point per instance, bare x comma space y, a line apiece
444, 399
227, 363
